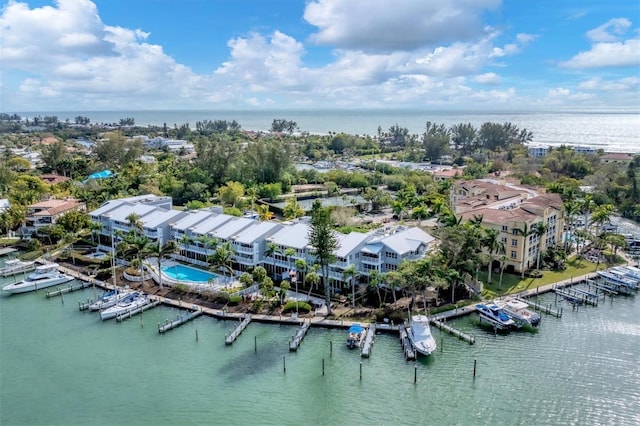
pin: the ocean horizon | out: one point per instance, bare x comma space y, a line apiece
610, 130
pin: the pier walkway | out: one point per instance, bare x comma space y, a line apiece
368, 341
180, 319
295, 341
231, 337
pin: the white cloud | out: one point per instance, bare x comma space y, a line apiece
623, 85
618, 54
490, 78
607, 50
382, 25
610, 31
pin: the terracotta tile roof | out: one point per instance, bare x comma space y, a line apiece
54, 207
53, 179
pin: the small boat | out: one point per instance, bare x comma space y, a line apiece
494, 315
130, 303
354, 336
44, 276
15, 266
419, 333
519, 312
109, 299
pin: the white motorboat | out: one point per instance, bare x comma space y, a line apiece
109, 299
44, 276
493, 314
419, 333
519, 312
130, 303
15, 266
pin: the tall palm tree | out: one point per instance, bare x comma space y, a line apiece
525, 231
375, 279
571, 208
271, 251
585, 206
492, 242
301, 265
539, 229
222, 258
601, 215
160, 252
349, 274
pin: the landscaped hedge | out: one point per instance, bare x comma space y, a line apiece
291, 307
235, 300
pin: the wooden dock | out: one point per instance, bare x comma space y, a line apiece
64, 290
180, 319
453, 331
136, 311
576, 297
231, 337
295, 341
541, 308
368, 341
407, 347
7, 250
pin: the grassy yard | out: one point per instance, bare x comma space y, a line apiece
513, 283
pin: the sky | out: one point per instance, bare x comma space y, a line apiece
485, 55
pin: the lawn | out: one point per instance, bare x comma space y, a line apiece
513, 283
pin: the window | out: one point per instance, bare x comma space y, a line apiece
504, 240
514, 243
505, 228
513, 254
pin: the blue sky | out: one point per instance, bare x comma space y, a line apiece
71, 55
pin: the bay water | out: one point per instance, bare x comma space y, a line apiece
60, 366
613, 131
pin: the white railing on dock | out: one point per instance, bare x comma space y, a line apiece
231, 337
295, 341
180, 319
136, 311
368, 341
453, 331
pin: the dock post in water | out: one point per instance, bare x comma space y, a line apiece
475, 361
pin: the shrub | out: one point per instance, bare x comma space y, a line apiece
235, 300
291, 307
180, 288
221, 297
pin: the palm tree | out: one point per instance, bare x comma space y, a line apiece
503, 261
160, 252
349, 274
185, 242
93, 228
271, 251
539, 229
452, 277
301, 265
525, 231
134, 222
222, 258
263, 212
375, 279
494, 245
571, 208
585, 206
602, 215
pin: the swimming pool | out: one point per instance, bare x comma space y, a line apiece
185, 273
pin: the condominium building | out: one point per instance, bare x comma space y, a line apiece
514, 212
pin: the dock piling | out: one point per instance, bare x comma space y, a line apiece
415, 373
322, 367
475, 362
360, 370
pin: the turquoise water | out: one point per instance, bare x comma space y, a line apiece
60, 366
185, 273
